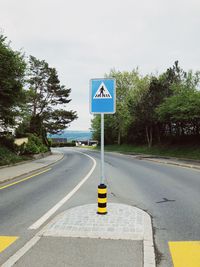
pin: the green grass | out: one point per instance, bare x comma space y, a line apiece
7, 157
189, 152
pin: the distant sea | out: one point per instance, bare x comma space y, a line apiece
73, 135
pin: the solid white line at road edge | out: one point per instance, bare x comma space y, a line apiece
20, 253
47, 215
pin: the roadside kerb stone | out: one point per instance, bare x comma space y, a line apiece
122, 222
34, 157
180, 162
12, 172
170, 162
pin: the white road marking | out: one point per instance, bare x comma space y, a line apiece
20, 253
47, 215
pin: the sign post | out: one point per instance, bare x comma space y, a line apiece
102, 101
102, 150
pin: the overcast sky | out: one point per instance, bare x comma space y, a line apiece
84, 39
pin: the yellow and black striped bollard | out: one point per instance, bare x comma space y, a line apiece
102, 199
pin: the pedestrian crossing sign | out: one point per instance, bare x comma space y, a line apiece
102, 92
102, 96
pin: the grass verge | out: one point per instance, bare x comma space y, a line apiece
7, 157
189, 152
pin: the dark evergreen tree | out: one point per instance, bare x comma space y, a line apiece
47, 100
12, 68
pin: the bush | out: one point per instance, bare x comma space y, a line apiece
8, 157
21, 149
50, 142
8, 142
63, 144
43, 148
31, 148
35, 145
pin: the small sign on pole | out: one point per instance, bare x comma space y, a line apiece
102, 96
102, 101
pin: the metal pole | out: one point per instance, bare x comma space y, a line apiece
102, 150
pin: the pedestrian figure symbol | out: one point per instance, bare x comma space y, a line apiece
102, 92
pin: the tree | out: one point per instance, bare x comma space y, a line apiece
147, 98
182, 110
47, 100
153, 109
179, 112
110, 134
140, 106
12, 68
120, 121
118, 126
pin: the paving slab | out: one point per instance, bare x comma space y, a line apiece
85, 252
11, 172
181, 162
121, 222
194, 164
81, 237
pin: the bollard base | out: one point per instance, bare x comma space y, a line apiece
102, 199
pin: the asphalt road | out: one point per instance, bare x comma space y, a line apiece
24, 203
170, 194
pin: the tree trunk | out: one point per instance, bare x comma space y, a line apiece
119, 138
158, 133
149, 135
170, 129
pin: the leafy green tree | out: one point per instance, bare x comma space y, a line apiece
183, 111
147, 98
110, 134
47, 100
96, 127
178, 113
140, 108
153, 109
120, 121
118, 127
12, 68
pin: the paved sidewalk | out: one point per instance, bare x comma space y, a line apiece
81, 237
11, 172
188, 163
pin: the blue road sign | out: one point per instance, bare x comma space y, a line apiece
102, 96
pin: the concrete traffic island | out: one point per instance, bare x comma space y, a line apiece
121, 222
81, 237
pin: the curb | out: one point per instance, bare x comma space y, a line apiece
173, 163
157, 160
65, 225
40, 156
31, 172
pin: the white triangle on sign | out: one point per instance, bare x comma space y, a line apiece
102, 92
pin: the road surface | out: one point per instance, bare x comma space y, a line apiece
170, 194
